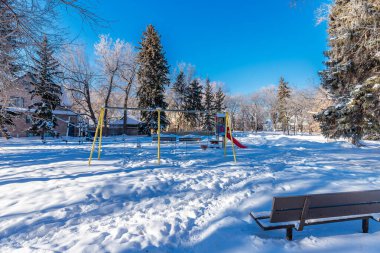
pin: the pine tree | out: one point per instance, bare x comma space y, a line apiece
193, 101
209, 120
179, 89
152, 77
219, 97
9, 65
352, 68
45, 90
6, 119
283, 95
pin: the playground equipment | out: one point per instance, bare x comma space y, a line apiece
227, 135
235, 141
221, 125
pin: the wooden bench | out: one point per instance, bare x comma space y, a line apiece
295, 212
165, 138
189, 139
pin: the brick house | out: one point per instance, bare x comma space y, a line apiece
19, 100
116, 126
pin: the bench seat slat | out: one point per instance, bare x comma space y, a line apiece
318, 213
326, 205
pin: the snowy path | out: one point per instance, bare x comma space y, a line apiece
195, 201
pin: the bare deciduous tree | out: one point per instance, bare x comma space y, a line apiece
79, 80
117, 64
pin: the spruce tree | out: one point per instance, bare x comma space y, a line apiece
152, 77
45, 90
219, 97
209, 118
352, 71
193, 101
179, 89
283, 95
10, 44
6, 119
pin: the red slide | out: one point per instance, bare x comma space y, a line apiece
236, 142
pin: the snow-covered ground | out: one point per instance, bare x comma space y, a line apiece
195, 201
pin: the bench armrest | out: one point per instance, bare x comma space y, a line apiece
262, 216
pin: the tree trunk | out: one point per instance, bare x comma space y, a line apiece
256, 123
106, 101
89, 104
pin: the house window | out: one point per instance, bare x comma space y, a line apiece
28, 119
16, 102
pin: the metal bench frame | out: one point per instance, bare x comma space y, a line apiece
302, 221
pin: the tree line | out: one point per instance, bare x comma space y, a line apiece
122, 75
278, 108
346, 105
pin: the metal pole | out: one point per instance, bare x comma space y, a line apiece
232, 138
154, 110
94, 141
225, 133
159, 136
101, 132
68, 128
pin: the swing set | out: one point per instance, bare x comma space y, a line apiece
227, 135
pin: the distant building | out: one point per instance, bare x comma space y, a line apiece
116, 126
19, 100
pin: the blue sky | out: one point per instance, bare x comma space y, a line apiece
245, 44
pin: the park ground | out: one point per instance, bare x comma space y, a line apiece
194, 201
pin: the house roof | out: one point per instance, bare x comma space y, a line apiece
131, 120
55, 112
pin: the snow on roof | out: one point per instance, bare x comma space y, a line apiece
56, 112
65, 99
131, 120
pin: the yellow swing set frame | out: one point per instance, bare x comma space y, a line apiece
100, 125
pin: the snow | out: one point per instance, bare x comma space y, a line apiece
131, 120
194, 201
56, 112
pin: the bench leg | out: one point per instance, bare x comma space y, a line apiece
365, 225
289, 234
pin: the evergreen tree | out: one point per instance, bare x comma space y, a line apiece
6, 119
179, 89
219, 97
152, 77
352, 71
283, 94
209, 118
9, 65
193, 101
45, 90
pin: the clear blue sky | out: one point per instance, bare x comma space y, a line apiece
246, 44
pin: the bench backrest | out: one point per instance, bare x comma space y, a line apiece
325, 205
189, 139
165, 138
